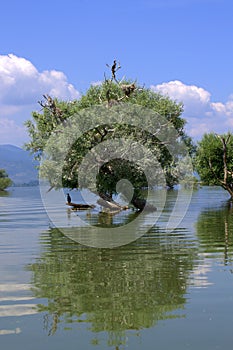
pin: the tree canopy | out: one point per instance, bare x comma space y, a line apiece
214, 160
5, 181
113, 110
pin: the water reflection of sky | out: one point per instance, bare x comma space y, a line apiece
14, 302
206, 285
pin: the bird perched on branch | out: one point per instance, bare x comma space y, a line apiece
114, 68
68, 198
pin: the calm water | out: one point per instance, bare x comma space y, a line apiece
166, 290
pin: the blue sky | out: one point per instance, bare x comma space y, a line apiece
182, 48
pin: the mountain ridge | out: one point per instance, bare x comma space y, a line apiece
19, 164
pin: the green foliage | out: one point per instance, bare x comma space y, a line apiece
5, 181
109, 95
108, 177
209, 159
43, 124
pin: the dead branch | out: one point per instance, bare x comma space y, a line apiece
224, 145
128, 89
50, 105
222, 182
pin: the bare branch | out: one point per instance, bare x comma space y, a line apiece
128, 89
50, 105
224, 145
228, 138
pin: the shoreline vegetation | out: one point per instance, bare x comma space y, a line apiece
33, 183
5, 181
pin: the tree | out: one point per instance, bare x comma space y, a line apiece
214, 160
5, 181
161, 139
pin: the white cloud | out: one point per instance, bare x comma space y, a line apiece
97, 83
195, 99
12, 133
21, 86
201, 113
22, 83
9, 110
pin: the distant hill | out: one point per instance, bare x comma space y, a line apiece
19, 164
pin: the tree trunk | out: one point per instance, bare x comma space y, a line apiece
139, 203
229, 189
225, 183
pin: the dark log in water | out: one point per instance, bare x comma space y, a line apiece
80, 206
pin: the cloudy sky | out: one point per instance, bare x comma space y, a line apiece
182, 48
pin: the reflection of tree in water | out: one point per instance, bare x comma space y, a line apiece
112, 218
127, 288
4, 193
215, 230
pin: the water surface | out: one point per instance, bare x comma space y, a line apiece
166, 290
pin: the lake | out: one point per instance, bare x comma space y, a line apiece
165, 289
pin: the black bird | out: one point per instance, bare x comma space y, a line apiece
68, 198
